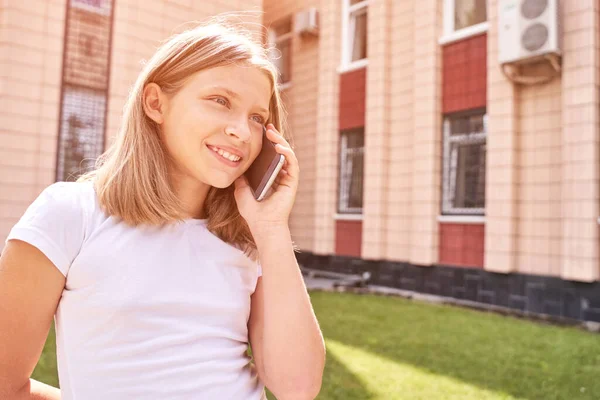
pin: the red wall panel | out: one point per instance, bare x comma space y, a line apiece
465, 74
462, 244
352, 99
348, 238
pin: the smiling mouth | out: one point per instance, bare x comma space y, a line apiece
224, 154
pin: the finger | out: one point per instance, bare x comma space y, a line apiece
291, 166
274, 136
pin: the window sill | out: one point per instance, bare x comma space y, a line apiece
348, 217
461, 219
353, 66
464, 33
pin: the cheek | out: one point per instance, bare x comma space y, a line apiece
256, 146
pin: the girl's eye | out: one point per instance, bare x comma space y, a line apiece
258, 119
222, 101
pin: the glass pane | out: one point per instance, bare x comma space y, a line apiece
469, 188
351, 171
355, 192
359, 42
284, 61
283, 27
469, 12
467, 124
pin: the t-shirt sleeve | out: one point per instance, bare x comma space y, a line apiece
54, 223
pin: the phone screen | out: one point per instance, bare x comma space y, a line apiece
264, 169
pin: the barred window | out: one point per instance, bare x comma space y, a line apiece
464, 163
352, 145
84, 86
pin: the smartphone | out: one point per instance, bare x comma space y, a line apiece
264, 169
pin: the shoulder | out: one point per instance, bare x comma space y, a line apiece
69, 192
61, 204
56, 221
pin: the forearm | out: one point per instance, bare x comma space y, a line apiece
35, 390
294, 351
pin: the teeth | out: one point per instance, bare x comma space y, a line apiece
225, 154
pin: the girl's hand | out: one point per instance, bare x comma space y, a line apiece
275, 209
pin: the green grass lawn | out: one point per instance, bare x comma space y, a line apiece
392, 348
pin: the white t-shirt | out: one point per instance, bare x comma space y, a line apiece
146, 312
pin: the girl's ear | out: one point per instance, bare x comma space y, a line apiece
153, 102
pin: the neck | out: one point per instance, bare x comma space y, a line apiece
192, 195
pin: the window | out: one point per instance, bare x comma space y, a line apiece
352, 145
354, 35
464, 18
280, 41
464, 163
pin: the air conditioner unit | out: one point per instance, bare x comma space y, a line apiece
307, 22
528, 30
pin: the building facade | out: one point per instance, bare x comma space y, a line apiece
427, 163
423, 160
66, 67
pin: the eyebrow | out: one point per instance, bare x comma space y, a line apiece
235, 95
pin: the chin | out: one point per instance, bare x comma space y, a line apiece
221, 182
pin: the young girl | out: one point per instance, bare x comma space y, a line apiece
160, 267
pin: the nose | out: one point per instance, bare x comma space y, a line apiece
240, 130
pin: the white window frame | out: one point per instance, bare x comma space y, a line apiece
274, 40
449, 173
344, 184
349, 13
104, 9
450, 34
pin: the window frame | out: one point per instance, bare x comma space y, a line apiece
349, 13
448, 181
450, 34
104, 9
275, 39
343, 185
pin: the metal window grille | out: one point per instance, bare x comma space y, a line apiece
464, 164
84, 94
352, 144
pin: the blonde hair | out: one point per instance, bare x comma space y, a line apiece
131, 177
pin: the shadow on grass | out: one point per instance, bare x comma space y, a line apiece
520, 358
339, 383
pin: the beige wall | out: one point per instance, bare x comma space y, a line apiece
301, 102
542, 176
31, 51
542, 199
31, 37
326, 150
542, 187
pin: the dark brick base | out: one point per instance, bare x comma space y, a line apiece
527, 293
